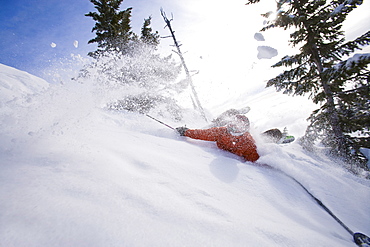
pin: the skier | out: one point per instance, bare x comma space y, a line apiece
234, 137
230, 131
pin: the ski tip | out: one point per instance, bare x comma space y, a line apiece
361, 239
288, 139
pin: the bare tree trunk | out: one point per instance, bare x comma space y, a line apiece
188, 76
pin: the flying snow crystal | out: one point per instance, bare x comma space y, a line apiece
53, 45
259, 37
266, 52
75, 43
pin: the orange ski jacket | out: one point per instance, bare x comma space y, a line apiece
242, 145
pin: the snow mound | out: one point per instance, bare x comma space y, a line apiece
15, 84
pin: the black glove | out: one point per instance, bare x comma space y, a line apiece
181, 130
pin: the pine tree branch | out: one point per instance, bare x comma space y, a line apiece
351, 46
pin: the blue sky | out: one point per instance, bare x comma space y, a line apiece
29, 27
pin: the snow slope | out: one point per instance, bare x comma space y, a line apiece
74, 174
15, 84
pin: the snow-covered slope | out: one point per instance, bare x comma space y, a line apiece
73, 174
15, 83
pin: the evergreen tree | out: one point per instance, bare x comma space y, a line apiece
112, 27
327, 70
147, 35
126, 63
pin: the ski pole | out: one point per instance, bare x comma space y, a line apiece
359, 238
160, 121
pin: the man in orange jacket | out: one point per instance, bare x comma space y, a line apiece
233, 137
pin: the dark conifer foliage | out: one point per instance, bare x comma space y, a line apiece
147, 35
113, 28
126, 62
329, 70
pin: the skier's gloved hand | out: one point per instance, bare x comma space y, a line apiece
181, 130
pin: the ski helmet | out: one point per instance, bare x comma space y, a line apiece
239, 124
